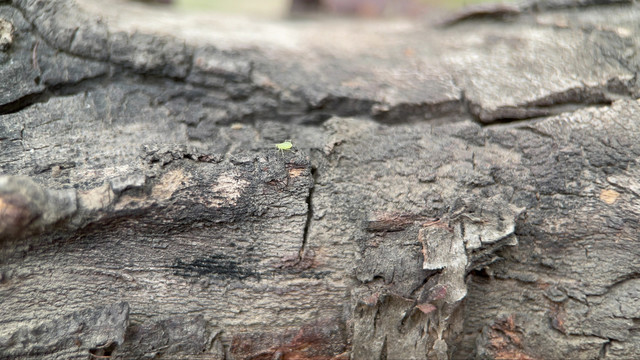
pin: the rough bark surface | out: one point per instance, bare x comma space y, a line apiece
457, 189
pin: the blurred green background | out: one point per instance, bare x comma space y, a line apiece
261, 7
277, 8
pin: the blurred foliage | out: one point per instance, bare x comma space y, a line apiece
454, 4
281, 7
258, 7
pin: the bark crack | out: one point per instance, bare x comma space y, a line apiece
307, 225
63, 89
22, 103
605, 349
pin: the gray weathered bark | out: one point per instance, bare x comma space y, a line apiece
461, 190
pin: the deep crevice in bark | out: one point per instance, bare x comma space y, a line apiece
307, 225
23, 103
605, 349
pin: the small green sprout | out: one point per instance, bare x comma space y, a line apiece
284, 146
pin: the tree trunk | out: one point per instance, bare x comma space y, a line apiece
458, 188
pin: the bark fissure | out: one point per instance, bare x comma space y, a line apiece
309, 220
605, 347
22, 103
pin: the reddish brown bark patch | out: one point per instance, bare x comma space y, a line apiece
322, 340
558, 316
505, 340
15, 215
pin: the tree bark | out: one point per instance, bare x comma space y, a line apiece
457, 188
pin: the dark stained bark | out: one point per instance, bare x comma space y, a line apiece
461, 187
